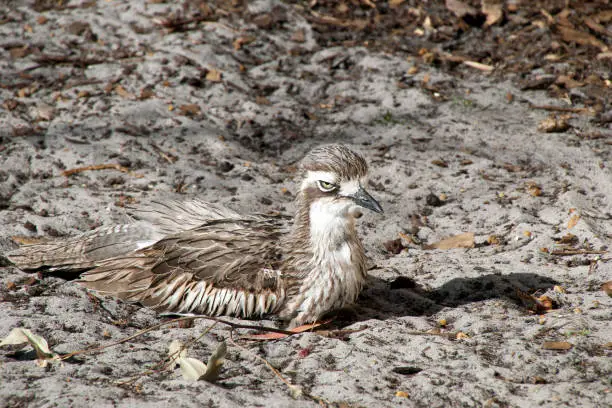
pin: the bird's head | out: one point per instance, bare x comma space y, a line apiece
333, 181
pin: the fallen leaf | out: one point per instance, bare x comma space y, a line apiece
493, 240
21, 337
191, 368
262, 100
440, 163
194, 369
573, 221
240, 41
559, 289
580, 37
214, 363
459, 8
122, 92
553, 124
557, 345
534, 189
545, 302
402, 394
191, 109
607, 287
538, 305
213, 75
465, 240
28, 240
461, 336
493, 9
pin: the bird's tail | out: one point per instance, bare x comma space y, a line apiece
86, 250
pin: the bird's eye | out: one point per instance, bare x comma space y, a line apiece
326, 186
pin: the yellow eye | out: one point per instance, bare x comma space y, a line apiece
326, 187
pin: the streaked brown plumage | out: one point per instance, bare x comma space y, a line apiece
197, 257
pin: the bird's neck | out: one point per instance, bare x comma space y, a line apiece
323, 228
327, 261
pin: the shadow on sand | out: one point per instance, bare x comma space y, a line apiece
383, 299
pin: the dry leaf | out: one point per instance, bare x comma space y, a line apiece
538, 305
402, 394
580, 37
534, 189
191, 368
22, 337
465, 240
194, 369
189, 109
214, 363
493, 240
240, 41
28, 240
121, 91
554, 124
557, 345
573, 221
440, 163
213, 75
459, 8
607, 287
262, 100
568, 238
493, 9
461, 336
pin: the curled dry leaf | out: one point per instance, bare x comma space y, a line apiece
194, 369
493, 9
465, 240
21, 337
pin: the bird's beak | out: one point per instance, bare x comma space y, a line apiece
365, 200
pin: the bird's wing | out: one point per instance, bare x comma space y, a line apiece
85, 251
220, 267
172, 216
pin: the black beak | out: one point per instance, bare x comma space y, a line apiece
364, 199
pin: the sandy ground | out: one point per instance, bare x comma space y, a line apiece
440, 328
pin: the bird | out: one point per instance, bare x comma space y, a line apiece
193, 256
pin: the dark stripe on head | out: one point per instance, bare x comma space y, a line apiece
337, 159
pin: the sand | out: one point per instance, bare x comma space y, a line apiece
435, 328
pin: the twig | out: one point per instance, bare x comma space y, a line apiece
106, 166
559, 108
180, 319
577, 252
479, 65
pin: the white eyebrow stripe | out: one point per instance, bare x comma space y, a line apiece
313, 176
